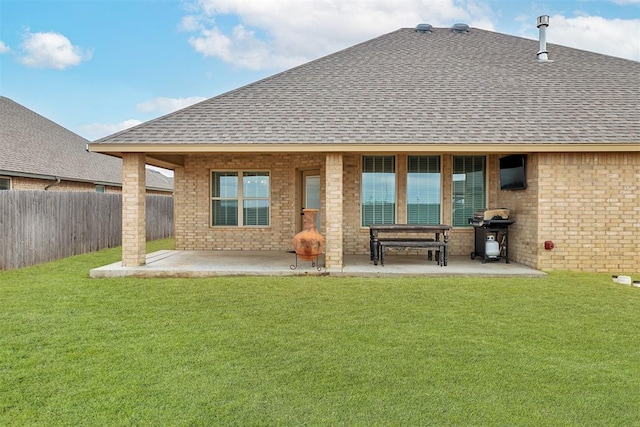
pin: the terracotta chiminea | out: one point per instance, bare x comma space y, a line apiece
308, 243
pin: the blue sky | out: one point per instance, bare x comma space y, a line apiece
99, 66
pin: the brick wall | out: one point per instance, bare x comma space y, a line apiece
576, 189
523, 208
356, 238
193, 199
21, 183
590, 208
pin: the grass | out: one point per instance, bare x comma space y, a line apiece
561, 350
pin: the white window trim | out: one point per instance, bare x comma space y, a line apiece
240, 198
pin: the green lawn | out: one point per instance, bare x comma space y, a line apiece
555, 351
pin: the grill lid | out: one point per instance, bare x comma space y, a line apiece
489, 214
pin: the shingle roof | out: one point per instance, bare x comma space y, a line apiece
406, 87
32, 144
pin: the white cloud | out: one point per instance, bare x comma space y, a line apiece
242, 48
164, 105
190, 23
95, 131
615, 37
4, 48
159, 105
283, 33
51, 50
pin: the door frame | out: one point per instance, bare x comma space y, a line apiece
302, 194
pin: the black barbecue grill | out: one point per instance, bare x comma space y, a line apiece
491, 222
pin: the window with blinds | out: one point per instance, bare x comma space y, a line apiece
255, 198
423, 190
469, 188
378, 190
231, 190
5, 183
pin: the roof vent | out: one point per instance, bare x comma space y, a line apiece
460, 28
543, 23
424, 28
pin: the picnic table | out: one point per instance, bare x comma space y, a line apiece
432, 237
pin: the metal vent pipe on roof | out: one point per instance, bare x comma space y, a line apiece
460, 28
424, 28
543, 23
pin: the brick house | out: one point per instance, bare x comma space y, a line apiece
407, 127
38, 154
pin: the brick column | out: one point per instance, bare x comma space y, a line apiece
134, 241
333, 209
180, 225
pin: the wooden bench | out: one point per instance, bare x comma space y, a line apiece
407, 243
431, 237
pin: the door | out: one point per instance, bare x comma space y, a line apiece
311, 193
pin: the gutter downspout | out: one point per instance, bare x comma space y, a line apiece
51, 185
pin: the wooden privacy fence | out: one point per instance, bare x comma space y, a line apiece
41, 226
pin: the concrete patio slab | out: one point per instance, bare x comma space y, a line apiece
173, 263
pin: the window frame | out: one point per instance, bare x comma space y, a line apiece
9, 180
240, 198
485, 188
440, 188
395, 187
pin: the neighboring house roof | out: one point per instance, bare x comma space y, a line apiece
158, 181
406, 88
34, 146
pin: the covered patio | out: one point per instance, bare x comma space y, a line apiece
174, 263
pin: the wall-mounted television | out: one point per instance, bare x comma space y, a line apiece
513, 174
